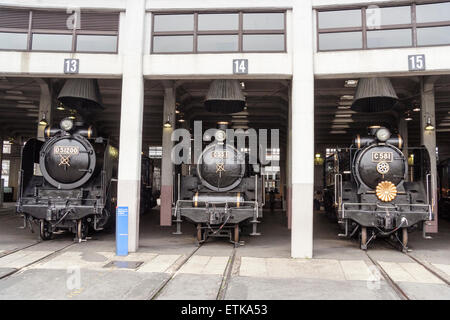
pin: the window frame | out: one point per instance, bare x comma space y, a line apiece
74, 33
240, 32
413, 26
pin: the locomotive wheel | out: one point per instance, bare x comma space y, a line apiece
199, 233
44, 233
364, 238
82, 230
236, 234
405, 238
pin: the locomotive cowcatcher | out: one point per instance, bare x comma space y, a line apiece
374, 190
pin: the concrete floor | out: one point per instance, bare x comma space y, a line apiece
172, 267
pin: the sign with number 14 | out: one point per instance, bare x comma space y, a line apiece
240, 66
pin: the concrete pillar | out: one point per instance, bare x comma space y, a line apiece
166, 163
302, 135
45, 107
289, 164
428, 139
131, 118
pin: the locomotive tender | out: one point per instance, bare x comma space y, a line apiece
222, 193
375, 191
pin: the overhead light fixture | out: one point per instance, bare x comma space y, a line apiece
429, 126
408, 117
338, 132
60, 107
343, 120
318, 156
181, 120
347, 97
177, 111
351, 83
43, 121
167, 124
343, 115
416, 109
242, 85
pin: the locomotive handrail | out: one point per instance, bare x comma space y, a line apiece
428, 182
21, 186
338, 189
376, 204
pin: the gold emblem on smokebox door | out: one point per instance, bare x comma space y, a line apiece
65, 160
386, 191
220, 167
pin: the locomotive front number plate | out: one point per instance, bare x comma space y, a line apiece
382, 156
62, 150
220, 154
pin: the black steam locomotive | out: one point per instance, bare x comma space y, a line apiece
374, 190
221, 194
68, 182
444, 188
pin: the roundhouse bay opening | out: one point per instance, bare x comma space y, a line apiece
63, 148
342, 134
180, 104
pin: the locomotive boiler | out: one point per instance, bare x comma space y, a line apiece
221, 194
374, 190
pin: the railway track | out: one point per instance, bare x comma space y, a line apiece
402, 294
16, 270
9, 252
226, 276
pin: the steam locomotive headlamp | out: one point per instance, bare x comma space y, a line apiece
386, 191
66, 124
383, 134
220, 136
